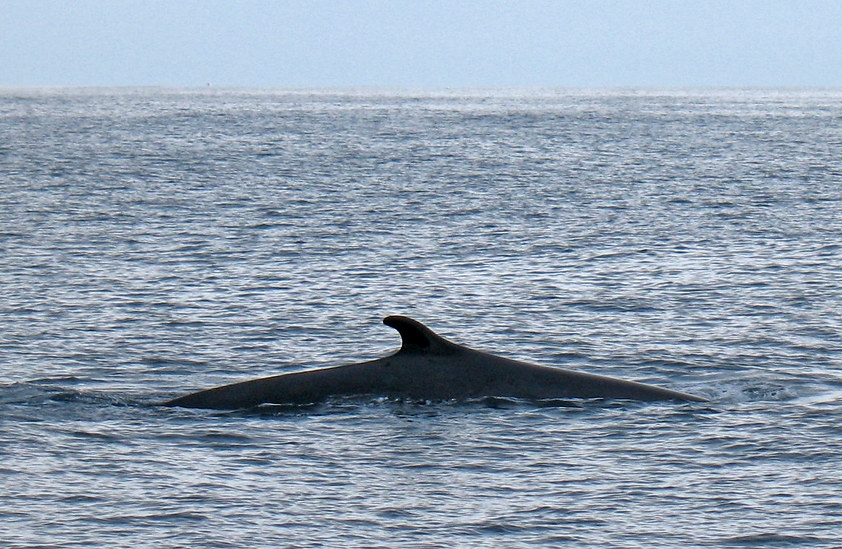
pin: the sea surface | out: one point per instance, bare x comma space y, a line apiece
154, 242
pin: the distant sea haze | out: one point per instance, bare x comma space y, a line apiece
159, 242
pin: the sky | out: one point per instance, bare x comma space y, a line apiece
421, 43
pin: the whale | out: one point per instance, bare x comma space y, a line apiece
427, 367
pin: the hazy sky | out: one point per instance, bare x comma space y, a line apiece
435, 43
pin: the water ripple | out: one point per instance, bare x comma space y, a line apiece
159, 241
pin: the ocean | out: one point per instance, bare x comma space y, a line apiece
154, 242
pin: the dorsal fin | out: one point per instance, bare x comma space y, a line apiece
417, 338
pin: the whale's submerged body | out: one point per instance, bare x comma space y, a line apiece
427, 367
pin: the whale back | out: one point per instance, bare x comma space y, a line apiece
427, 367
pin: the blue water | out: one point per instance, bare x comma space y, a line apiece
155, 242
